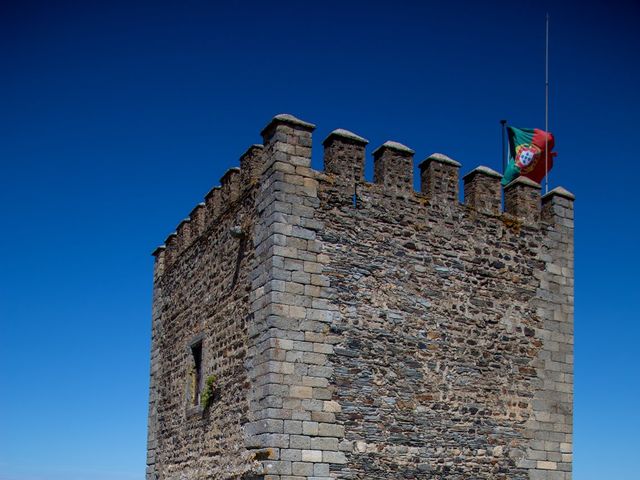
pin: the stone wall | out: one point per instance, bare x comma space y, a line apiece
436, 331
550, 428
365, 330
201, 293
293, 424
454, 350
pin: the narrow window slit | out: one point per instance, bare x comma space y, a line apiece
196, 373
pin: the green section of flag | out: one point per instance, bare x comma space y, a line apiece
516, 136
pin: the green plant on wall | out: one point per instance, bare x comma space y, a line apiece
206, 399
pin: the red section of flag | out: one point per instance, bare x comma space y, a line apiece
542, 140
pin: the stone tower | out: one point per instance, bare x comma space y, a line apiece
313, 325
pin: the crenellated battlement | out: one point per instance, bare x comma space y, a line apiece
310, 324
344, 164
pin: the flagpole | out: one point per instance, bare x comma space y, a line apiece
546, 105
504, 158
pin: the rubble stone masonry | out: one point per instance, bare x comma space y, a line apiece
362, 330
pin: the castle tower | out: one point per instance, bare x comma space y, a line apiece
312, 325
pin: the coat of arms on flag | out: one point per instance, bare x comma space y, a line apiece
527, 150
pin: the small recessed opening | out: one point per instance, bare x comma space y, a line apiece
196, 373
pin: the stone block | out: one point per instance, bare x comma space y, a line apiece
312, 455
310, 428
299, 391
334, 457
300, 441
330, 430
324, 443
304, 469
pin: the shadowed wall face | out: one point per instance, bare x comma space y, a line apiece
201, 307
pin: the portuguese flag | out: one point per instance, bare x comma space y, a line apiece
527, 154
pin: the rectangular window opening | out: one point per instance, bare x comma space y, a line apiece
196, 373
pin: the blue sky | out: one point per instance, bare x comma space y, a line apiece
116, 118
